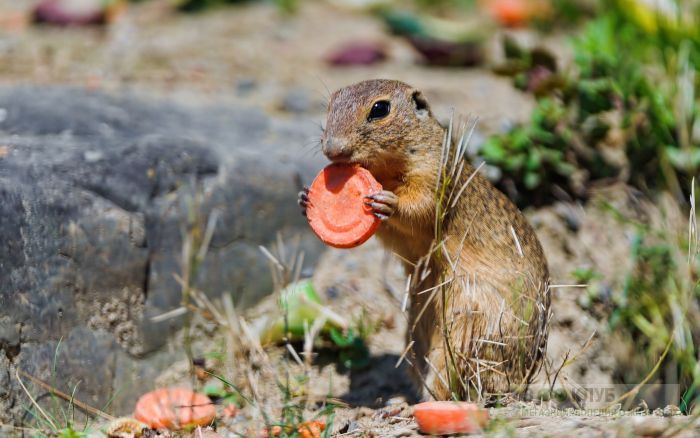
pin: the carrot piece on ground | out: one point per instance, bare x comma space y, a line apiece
174, 408
447, 417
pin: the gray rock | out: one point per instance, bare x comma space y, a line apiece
95, 192
299, 101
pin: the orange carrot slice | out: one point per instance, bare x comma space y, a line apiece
336, 211
446, 417
512, 13
174, 408
307, 429
311, 429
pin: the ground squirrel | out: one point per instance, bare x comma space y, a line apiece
495, 291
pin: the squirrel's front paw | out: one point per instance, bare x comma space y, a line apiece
303, 200
383, 204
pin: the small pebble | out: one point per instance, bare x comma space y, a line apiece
671, 411
246, 86
395, 401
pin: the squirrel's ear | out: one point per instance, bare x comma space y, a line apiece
422, 108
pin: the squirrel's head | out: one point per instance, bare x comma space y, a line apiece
378, 123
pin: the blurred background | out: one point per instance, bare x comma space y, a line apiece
128, 128
260, 51
498, 60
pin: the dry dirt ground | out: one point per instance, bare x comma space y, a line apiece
375, 400
251, 53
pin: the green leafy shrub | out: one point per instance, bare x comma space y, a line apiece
656, 309
655, 313
627, 110
285, 6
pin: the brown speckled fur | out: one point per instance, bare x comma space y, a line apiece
498, 300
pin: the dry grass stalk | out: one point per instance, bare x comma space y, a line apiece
69, 398
248, 366
36, 405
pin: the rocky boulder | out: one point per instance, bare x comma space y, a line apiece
96, 192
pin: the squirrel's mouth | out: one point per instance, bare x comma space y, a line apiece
340, 159
349, 159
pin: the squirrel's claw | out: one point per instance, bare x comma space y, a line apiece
303, 200
381, 217
381, 208
383, 204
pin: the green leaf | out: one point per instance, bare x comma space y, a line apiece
585, 275
298, 300
521, 139
300, 303
511, 48
552, 155
214, 355
340, 339
212, 390
355, 357
534, 160
493, 150
565, 169
515, 162
683, 159
532, 180
403, 23
233, 399
69, 432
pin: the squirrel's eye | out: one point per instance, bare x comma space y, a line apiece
379, 110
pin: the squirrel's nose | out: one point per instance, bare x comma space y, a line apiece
336, 149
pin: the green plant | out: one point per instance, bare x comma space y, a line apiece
658, 308
593, 289
69, 432
286, 412
196, 231
200, 5
225, 395
294, 413
633, 118
354, 353
533, 158
293, 416
57, 421
285, 6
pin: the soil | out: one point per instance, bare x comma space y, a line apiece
254, 54
376, 399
